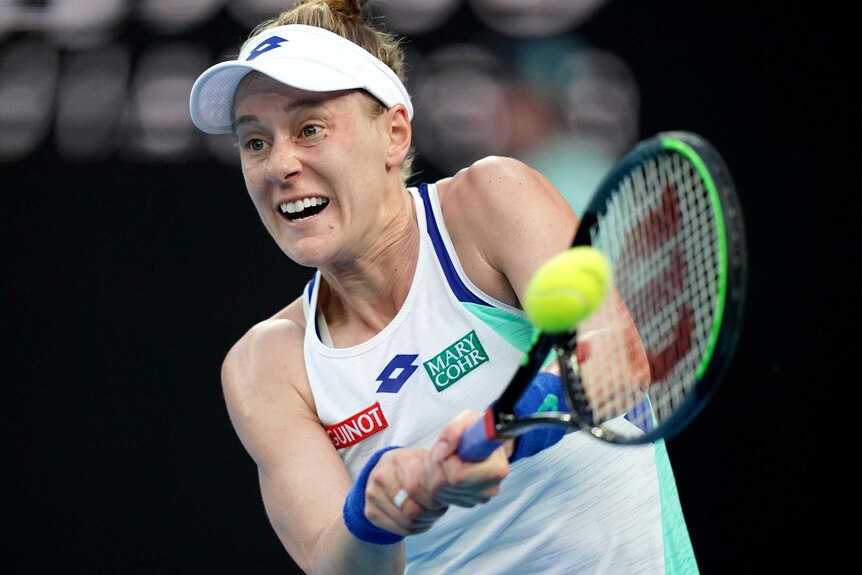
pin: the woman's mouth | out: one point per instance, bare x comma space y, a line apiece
304, 208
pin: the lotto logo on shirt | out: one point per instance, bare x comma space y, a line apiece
357, 427
456, 361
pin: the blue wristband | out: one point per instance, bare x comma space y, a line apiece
354, 508
544, 394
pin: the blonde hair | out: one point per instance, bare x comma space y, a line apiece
346, 18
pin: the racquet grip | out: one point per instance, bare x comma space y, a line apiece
479, 441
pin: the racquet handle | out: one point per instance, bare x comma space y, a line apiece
479, 441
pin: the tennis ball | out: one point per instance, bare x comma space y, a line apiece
567, 288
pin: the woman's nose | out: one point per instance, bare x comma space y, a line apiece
282, 163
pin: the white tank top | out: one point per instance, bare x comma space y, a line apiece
581, 506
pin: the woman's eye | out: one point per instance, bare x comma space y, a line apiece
255, 144
310, 130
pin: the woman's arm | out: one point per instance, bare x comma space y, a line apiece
302, 479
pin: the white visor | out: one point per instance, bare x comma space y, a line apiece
305, 57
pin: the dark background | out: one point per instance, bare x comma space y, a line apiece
124, 283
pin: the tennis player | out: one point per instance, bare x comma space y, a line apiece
352, 398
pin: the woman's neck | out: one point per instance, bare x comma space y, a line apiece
361, 297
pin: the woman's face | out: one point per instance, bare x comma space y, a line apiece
316, 165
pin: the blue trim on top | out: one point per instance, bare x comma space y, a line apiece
309, 289
457, 286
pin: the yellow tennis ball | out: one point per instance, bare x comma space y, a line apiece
567, 288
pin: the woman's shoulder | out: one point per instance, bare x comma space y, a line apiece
494, 188
487, 173
272, 339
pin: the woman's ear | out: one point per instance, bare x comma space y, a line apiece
400, 135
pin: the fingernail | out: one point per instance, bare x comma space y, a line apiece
439, 451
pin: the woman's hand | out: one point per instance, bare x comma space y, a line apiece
409, 488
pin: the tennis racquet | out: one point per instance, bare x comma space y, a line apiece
644, 364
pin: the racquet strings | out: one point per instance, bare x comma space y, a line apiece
646, 347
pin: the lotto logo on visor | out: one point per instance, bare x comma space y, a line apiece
270, 43
357, 427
